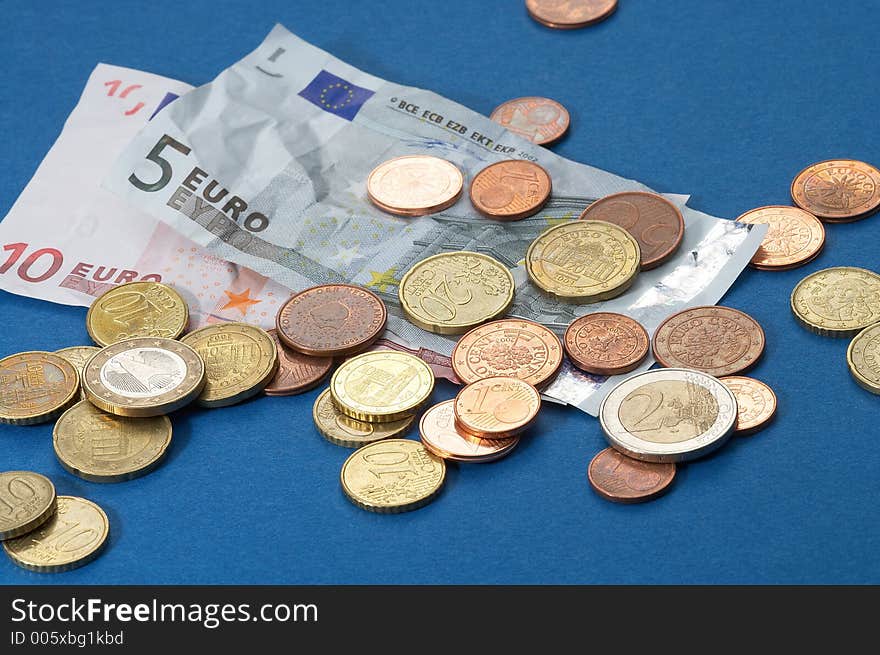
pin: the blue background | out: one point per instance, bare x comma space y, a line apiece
724, 100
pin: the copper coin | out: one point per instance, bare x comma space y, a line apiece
605, 343
716, 340
514, 347
838, 190
296, 372
439, 363
794, 237
755, 403
497, 407
570, 14
510, 190
331, 320
415, 185
540, 120
441, 437
621, 479
652, 220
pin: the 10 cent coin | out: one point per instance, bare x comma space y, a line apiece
349, 432
27, 500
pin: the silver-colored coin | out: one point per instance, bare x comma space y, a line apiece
668, 415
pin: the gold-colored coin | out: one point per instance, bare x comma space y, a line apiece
584, 261
27, 500
137, 309
837, 302
73, 537
349, 432
78, 356
100, 447
240, 360
381, 386
143, 377
392, 476
452, 292
863, 358
35, 387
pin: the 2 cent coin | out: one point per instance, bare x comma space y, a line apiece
296, 372
755, 403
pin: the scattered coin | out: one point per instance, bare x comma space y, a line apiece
331, 320
27, 501
240, 359
452, 292
296, 372
715, 340
540, 120
381, 386
144, 376
604, 343
583, 261
622, 479
137, 309
838, 190
414, 185
863, 358
78, 356
514, 347
441, 437
101, 447
72, 537
496, 408
570, 14
35, 387
655, 222
837, 302
794, 238
755, 403
668, 415
393, 475
510, 190
349, 432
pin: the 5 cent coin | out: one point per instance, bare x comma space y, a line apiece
415, 185
513, 347
296, 372
137, 309
655, 222
604, 343
794, 238
716, 340
622, 479
540, 120
510, 190
838, 190
35, 387
331, 320
72, 537
755, 403
27, 500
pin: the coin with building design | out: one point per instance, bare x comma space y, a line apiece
35, 387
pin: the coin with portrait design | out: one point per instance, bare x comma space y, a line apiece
837, 302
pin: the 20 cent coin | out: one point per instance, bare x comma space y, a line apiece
863, 358
137, 309
837, 302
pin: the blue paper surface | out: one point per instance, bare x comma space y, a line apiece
723, 100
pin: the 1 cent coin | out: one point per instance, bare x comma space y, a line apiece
331, 320
496, 408
36, 387
296, 372
570, 14
441, 437
137, 309
794, 237
27, 500
838, 190
540, 120
716, 340
755, 403
655, 222
622, 479
72, 537
838, 301
415, 185
604, 343
510, 190
514, 347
